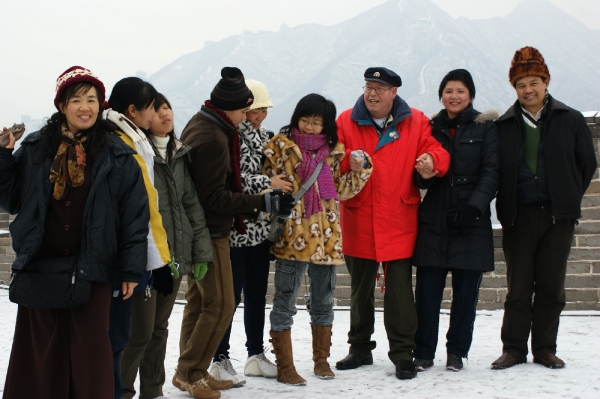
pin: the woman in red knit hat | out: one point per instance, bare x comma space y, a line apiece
82, 207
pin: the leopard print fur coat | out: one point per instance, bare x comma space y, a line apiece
317, 239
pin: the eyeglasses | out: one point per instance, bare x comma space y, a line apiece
378, 90
310, 123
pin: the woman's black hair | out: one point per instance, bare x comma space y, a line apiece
160, 100
130, 91
461, 75
313, 105
97, 134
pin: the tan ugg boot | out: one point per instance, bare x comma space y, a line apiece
321, 336
282, 348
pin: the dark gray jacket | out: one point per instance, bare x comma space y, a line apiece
182, 215
472, 180
115, 218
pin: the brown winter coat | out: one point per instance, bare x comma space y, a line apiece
317, 239
212, 172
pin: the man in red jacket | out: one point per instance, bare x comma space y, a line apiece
379, 225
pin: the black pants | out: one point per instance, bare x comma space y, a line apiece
536, 249
118, 332
250, 268
399, 314
431, 282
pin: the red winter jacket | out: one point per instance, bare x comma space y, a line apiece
380, 223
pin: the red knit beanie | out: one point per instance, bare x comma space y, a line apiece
527, 61
77, 74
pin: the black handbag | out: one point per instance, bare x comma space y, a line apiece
49, 284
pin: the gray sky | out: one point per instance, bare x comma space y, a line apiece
116, 38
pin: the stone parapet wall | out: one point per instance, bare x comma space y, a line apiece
583, 269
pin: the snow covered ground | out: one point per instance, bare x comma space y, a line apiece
579, 346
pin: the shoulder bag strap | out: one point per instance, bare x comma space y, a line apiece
311, 180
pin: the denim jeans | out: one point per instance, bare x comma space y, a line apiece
288, 278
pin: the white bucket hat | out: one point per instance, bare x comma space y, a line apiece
261, 95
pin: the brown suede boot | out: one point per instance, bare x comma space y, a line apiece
282, 348
321, 336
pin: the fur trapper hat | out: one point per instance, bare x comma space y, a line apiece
528, 61
261, 94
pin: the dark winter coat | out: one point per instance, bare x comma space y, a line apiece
212, 171
115, 220
182, 215
472, 180
569, 158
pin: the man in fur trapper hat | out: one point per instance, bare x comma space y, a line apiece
547, 162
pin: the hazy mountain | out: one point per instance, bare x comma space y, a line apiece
415, 38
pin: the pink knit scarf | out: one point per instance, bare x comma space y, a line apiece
314, 149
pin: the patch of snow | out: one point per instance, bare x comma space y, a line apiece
577, 344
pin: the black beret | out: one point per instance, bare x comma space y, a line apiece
383, 75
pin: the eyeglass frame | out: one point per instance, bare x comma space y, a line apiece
378, 90
309, 123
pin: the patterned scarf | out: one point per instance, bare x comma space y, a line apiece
308, 144
68, 167
234, 148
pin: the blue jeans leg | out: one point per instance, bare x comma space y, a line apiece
322, 285
118, 332
288, 277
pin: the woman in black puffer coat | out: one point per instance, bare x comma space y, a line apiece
80, 199
455, 231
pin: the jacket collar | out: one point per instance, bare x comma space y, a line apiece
515, 110
400, 111
216, 120
468, 114
360, 113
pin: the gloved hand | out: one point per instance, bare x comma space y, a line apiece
461, 216
163, 280
174, 268
278, 203
199, 271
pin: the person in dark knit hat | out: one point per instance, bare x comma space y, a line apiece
455, 231
215, 168
547, 161
82, 206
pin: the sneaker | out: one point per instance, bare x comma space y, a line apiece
260, 366
422, 364
223, 371
198, 389
454, 362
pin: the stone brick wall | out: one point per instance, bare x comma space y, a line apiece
583, 269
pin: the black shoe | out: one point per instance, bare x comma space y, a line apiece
454, 362
405, 370
422, 364
353, 361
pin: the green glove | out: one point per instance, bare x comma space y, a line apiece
199, 271
174, 268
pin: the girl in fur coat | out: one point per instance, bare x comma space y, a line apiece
311, 237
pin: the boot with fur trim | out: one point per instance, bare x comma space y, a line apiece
282, 348
321, 341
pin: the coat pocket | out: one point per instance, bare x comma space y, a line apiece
469, 149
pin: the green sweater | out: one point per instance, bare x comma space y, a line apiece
530, 146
